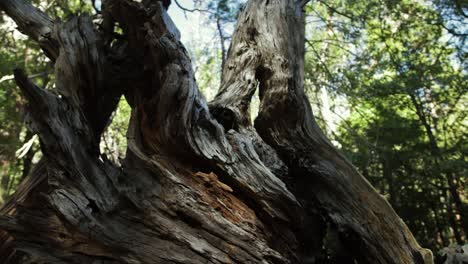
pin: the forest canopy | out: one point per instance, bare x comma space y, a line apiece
387, 82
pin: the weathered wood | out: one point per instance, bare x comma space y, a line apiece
32, 22
268, 48
198, 184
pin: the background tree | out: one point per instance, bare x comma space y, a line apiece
398, 68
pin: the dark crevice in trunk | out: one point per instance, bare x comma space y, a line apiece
225, 118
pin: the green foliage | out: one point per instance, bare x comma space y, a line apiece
225, 10
18, 51
114, 138
207, 66
401, 73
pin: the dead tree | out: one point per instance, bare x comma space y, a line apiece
200, 183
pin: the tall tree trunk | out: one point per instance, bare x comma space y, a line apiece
458, 207
199, 183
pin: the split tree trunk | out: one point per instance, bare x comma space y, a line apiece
199, 183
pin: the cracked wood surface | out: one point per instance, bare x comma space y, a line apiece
199, 183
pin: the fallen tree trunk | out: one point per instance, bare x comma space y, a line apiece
199, 183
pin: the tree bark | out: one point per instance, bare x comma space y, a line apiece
199, 183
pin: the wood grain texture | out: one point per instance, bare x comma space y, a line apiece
199, 183
32, 22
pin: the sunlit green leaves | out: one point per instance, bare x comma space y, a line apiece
399, 71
